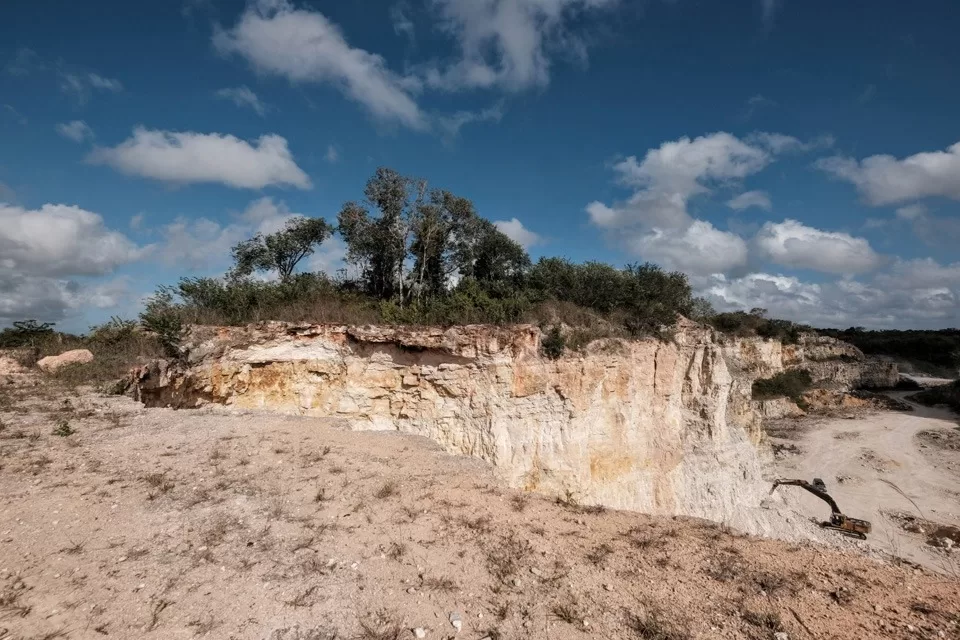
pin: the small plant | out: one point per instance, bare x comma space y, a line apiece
553, 343
568, 612
63, 429
599, 555
439, 584
652, 625
769, 620
519, 502
396, 550
387, 490
505, 558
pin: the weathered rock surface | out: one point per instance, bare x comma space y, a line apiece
660, 427
52, 364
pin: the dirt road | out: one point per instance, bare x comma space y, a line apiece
865, 460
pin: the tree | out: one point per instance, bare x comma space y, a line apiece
280, 251
419, 239
379, 246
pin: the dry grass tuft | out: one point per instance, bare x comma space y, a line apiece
387, 490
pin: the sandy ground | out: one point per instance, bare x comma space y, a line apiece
886, 468
162, 524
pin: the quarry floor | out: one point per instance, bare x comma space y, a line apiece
207, 524
898, 469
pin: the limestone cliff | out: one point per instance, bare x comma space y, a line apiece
660, 427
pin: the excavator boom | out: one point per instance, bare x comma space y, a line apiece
839, 522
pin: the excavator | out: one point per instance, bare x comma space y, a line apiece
853, 527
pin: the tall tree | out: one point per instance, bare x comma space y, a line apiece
281, 251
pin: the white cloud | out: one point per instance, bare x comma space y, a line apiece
884, 179
755, 103
42, 251
329, 258
779, 143
243, 96
332, 155
136, 221
450, 125
911, 211
911, 294
699, 249
304, 46
81, 85
24, 62
515, 230
508, 44
759, 199
670, 175
108, 84
77, 130
402, 25
59, 240
198, 243
793, 244
188, 157
201, 243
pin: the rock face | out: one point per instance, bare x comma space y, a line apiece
660, 427
52, 364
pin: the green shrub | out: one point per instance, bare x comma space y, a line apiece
553, 343
786, 384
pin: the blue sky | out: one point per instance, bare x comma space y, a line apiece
792, 155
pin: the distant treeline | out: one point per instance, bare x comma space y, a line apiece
932, 351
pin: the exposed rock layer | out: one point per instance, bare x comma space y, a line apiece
660, 427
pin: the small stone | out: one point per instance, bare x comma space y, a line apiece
479, 616
877, 608
608, 587
411, 590
536, 572
781, 635
517, 583
420, 632
911, 628
456, 620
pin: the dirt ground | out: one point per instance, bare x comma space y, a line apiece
889, 467
121, 522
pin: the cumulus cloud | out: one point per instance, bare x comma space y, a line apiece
60, 240
203, 244
243, 96
699, 249
304, 46
911, 293
508, 44
44, 251
884, 179
77, 130
654, 223
189, 157
793, 244
515, 230
332, 155
759, 199
670, 175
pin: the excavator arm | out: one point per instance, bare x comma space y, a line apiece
838, 521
